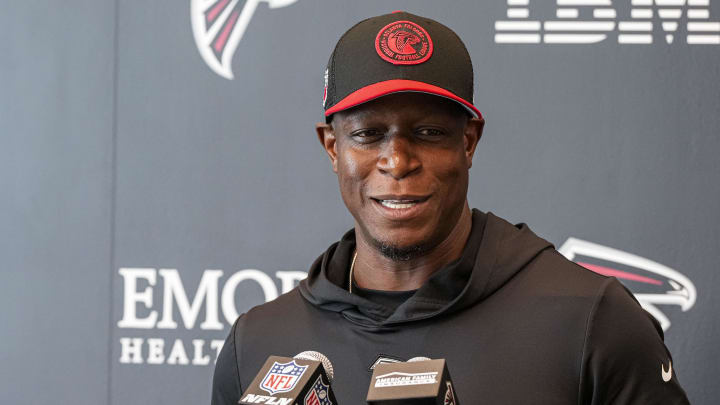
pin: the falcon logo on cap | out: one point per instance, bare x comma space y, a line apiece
403, 43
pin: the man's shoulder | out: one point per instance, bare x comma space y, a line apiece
554, 271
289, 309
601, 299
539, 266
282, 305
516, 246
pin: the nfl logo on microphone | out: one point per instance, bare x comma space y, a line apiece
282, 377
318, 394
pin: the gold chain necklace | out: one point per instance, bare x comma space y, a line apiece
352, 267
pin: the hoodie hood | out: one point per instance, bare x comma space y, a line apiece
494, 253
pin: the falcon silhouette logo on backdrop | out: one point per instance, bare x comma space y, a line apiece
219, 25
652, 283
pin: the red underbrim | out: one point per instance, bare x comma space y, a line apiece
376, 90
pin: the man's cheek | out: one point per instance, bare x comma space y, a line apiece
349, 189
444, 172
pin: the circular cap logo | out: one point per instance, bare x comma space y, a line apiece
403, 43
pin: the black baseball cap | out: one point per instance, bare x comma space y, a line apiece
394, 53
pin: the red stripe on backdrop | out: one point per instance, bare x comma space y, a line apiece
607, 271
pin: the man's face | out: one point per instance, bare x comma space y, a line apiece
402, 164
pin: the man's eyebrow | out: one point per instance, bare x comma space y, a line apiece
339, 121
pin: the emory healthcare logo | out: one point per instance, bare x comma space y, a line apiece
282, 377
218, 27
652, 283
592, 21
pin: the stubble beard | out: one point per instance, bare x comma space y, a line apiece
400, 253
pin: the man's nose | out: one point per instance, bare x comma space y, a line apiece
398, 158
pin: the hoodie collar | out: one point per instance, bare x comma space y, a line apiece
495, 251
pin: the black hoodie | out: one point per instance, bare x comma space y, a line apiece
516, 322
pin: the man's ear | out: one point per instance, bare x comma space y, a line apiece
471, 137
326, 136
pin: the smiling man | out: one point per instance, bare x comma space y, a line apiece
421, 274
402, 163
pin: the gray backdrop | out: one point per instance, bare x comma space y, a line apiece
138, 182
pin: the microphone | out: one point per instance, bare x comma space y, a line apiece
415, 382
302, 380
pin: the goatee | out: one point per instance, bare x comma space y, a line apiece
400, 254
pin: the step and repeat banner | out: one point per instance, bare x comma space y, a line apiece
163, 176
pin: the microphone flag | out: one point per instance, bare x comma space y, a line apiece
290, 381
420, 382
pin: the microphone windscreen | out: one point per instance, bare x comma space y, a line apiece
317, 356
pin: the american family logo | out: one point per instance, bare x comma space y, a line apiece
146, 322
219, 25
399, 379
595, 21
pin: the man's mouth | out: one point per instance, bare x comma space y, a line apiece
399, 202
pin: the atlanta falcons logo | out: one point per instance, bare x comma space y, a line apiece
652, 283
218, 27
401, 42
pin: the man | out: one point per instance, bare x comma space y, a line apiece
423, 275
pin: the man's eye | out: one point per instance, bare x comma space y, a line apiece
366, 134
431, 132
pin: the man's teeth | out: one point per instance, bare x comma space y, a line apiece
397, 204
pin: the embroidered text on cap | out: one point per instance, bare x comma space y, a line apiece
403, 43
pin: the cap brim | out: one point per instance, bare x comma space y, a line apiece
375, 90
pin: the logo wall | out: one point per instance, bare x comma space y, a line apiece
593, 21
143, 321
652, 283
219, 25
159, 323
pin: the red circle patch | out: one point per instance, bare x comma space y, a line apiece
403, 43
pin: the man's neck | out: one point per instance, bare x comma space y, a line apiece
375, 271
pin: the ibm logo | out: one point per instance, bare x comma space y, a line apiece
590, 21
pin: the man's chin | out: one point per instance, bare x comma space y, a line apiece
400, 253
399, 245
